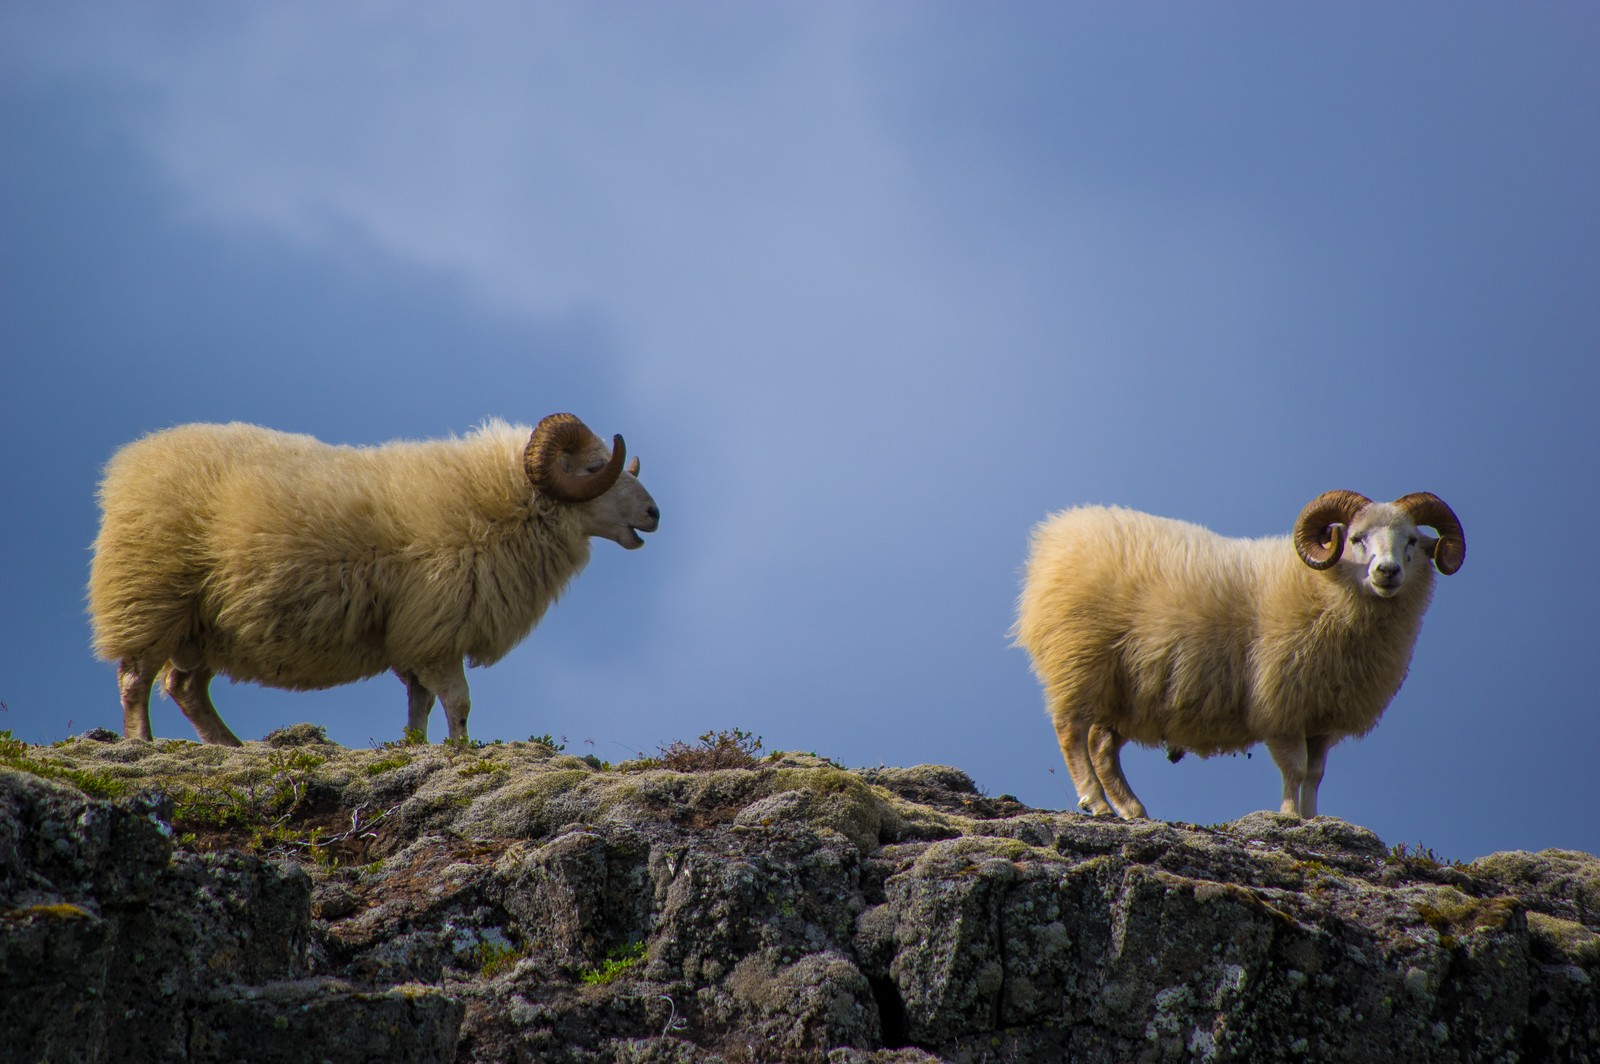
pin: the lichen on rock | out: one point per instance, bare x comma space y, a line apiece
293, 899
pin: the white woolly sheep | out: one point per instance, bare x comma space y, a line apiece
283, 560
1161, 632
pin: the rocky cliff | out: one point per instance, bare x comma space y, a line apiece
294, 900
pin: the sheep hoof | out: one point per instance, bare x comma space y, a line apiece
1095, 808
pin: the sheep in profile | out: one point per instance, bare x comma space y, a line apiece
1164, 633
276, 558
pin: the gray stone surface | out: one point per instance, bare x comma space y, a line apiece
293, 900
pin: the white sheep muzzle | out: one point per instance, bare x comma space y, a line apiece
1385, 547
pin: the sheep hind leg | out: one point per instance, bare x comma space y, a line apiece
133, 682
1073, 736
1292, 758
188, 688
1105, 753
449, 682
419, 706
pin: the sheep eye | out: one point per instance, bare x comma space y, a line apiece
1412, 542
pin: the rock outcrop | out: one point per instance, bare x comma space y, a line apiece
294, 900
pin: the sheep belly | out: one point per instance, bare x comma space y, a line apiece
304, 627
299, 627
1189, 692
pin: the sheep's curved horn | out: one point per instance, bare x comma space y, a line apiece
1428, 509
561, 434
1319, 533
633, 466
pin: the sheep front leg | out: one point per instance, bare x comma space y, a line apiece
1317, 747
1105, 753
1073, 735
1292, 758
449, 682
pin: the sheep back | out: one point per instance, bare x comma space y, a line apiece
284, 560
1172, 634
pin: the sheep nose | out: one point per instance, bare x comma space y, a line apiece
1388, 569
655, 514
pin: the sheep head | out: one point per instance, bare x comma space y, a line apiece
567, 462
1382, 536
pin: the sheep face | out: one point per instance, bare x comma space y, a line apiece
624, 511
1385, 545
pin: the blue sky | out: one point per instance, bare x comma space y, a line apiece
870, 289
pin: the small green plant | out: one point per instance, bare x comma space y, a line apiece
258, 811
777, 755
409, 737
294, 760
318, 848
387, 764
723, 749
616, 964
479, 768
493, 958
273, 812
549, 740
14, 754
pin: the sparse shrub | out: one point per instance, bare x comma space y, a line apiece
298, 735
549, 740
1419, 859
723, 749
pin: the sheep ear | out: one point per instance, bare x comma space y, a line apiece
1319, 533
633, 465
1428, 509
561, 434
1322, 550
1443, 560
